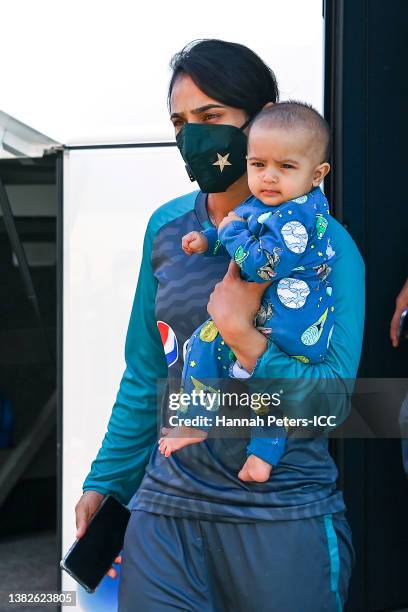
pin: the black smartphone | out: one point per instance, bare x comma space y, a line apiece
91, 556
403, 326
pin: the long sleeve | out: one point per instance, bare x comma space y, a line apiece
132, 429
265, 258
343, 356
215, 247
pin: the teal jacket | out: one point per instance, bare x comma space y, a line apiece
170, 289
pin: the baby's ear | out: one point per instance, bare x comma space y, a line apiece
320, 172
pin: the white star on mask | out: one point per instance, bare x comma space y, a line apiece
222, 161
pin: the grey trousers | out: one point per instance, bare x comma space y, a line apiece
170, 563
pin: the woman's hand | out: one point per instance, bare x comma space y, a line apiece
400, 305
84, 511
233, 305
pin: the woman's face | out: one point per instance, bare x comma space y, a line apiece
191, 105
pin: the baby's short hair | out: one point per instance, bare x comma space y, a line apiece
293, 113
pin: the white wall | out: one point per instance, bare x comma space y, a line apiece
72, 68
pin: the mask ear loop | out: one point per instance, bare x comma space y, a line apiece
187, 167
247, 122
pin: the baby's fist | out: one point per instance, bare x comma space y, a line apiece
194, 242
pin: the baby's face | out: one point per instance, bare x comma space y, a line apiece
283, 164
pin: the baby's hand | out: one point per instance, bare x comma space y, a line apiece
232, 216
194, 242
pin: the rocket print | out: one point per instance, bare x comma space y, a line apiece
312, 334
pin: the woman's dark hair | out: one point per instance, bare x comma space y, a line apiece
228, 72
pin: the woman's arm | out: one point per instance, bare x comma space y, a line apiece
236, 324
132, 429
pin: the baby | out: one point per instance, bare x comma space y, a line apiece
281, 236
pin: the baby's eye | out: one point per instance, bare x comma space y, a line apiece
287, 166
257, 164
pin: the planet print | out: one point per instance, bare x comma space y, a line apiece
208, 332
301, 199
292, 292
295, 236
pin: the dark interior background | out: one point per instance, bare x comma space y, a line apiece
365, 102
27, 373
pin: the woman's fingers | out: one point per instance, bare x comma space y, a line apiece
233, 270
258, 289
401, 304
394, 327
82, 517
112, 572
85, 509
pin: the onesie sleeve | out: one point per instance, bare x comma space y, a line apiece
275, 253
215, 246
132, 429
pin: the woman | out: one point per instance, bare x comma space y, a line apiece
199, 538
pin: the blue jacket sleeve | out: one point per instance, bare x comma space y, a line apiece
132, 429
261, 259
343, 356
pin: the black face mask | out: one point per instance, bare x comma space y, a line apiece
214, 154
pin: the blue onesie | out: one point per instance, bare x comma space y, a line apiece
290, 245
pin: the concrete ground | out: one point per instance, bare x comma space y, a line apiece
28, 563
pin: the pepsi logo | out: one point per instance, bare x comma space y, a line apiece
169, 340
